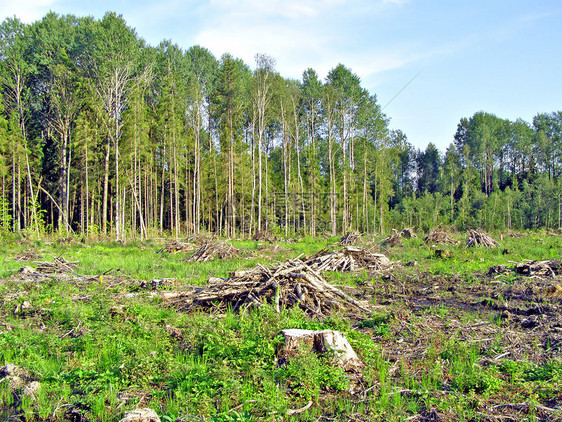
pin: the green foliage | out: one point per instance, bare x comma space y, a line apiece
5, 215
138, 140
548, 371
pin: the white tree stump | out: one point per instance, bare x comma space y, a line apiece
141, 415
325, 341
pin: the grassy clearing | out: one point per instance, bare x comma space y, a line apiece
444, 343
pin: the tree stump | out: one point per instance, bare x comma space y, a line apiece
141, 415
325, 341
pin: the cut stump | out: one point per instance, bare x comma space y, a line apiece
141, 415
325, 341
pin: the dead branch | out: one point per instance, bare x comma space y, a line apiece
476, 238
350, 238
438, 237
291, 283
214, 250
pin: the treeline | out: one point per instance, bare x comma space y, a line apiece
497, 174
102, 133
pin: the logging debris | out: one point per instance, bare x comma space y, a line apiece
439, 237
547, 268
443, 253
396, 238
272, 249
516, 235
291, 283
348, 259
202, 237
408, 233
28, 255
175, 246
476, 238
264, 236
540, 268
212, 250
350, 238
59, 265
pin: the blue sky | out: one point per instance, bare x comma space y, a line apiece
499, 56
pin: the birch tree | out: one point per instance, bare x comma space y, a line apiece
113, 73
263, 80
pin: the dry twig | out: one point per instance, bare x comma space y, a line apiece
214, 250
292, 283
476, 238
350, 238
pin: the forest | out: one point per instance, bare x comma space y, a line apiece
102, 134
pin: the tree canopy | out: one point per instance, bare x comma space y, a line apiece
102, 133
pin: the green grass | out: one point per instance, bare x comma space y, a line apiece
99, 352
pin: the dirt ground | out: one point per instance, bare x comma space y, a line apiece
517, 319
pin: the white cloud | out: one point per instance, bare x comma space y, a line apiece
27, 11
292, 9
399, 2
299, 34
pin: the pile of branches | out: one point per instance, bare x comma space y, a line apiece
530, 268
292, 283
264, 236
214, 250
540, 268
175, 246
28, 255
59, 265
408, 233
396, 238
516, 235
202, 237
476, 238
439, 237
348, 259
350, 238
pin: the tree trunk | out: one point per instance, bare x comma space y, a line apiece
105, 186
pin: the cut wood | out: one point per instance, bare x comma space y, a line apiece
541, 268
175, 246
396, 237
516, 235
408, 233
325, 341
350, 238
438, 237
264, 236
348, 259
214, 250
476, 238
291, 283
28, 255
530, 268
59, 265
